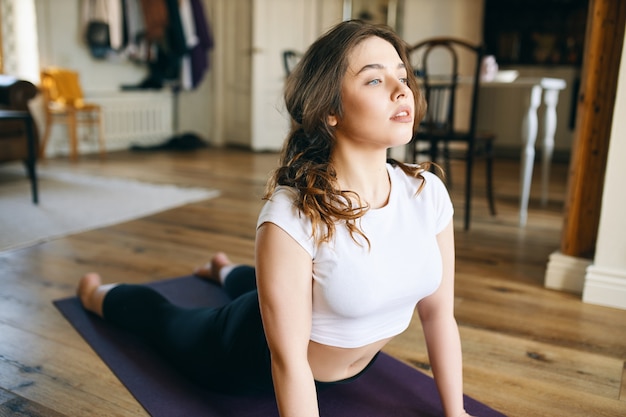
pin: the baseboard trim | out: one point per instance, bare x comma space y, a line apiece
606, 287
566, 273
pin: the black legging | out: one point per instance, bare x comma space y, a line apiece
221, 348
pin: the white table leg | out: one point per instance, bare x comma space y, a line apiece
550, 99
529, 136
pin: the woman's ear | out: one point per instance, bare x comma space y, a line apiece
332, 120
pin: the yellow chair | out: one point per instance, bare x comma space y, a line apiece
64, 103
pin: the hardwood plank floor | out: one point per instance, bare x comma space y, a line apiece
528, 351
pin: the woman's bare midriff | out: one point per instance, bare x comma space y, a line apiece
330, 363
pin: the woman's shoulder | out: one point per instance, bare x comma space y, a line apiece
281, 202
426, 180
428, 193
281, 209
284, 194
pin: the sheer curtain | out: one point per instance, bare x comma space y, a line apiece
20, 52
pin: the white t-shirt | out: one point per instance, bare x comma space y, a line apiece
364, 294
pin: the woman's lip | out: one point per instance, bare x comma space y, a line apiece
403, 115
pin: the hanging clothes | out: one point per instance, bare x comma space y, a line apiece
135, 31
176, 44
189, 29
102, 24
171, 37
188, 23
155, 16
116, 26
199, 54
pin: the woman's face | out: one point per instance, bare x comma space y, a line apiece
378, 106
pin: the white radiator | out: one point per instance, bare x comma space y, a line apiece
138, 117
130, 118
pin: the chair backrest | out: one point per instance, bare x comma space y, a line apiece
290, 60
62, 86
449, 70
15, 94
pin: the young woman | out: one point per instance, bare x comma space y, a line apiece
347, 245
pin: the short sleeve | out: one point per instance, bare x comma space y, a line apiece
442, 204
281, 210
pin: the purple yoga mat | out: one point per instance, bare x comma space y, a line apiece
389, 388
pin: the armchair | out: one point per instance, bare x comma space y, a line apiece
18, 136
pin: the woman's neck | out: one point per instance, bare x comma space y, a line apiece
366, 175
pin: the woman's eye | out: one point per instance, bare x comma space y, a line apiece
404, 80
374, 82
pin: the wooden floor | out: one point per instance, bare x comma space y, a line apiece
528, 351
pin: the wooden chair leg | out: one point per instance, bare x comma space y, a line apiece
469, 168
101, 144
446, 162
73, 134
46, 137
489, 179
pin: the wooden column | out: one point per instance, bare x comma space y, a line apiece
1, 50
594, 115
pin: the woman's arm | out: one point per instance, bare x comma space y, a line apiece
442, 334
284, 280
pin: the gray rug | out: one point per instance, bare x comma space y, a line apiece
71, 203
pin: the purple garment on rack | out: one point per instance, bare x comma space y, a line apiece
200, 61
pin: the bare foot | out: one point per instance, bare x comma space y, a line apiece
211, 270
91, 292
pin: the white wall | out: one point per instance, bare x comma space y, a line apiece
427, 18
605, 282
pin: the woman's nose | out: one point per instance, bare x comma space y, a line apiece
400, 90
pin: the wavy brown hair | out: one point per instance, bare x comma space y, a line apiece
312, 93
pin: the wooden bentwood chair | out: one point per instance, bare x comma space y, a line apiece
64, 102
448, 130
